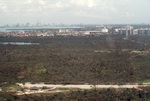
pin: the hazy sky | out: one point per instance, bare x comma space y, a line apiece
75, 11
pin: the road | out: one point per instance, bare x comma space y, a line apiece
40, 85
51, 88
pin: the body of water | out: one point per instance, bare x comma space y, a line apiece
2, 29
34, 28
18, 43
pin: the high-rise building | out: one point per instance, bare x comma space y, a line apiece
126, 32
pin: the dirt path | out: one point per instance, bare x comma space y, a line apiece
40, 85
51, 88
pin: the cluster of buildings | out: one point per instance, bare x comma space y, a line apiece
55, 32
131, 31
26, 33
86, 31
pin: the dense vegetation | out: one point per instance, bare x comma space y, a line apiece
86, 95
94, 60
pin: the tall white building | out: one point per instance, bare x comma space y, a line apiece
104, 30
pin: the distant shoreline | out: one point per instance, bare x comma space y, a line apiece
43, 28
36, 28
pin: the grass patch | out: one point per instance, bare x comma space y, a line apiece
12, 88
40, 70
146, 80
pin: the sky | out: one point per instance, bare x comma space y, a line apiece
75, 11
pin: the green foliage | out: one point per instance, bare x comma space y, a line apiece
74, 60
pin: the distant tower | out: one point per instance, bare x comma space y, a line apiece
38, 23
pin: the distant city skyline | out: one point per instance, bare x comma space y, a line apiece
74, 11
